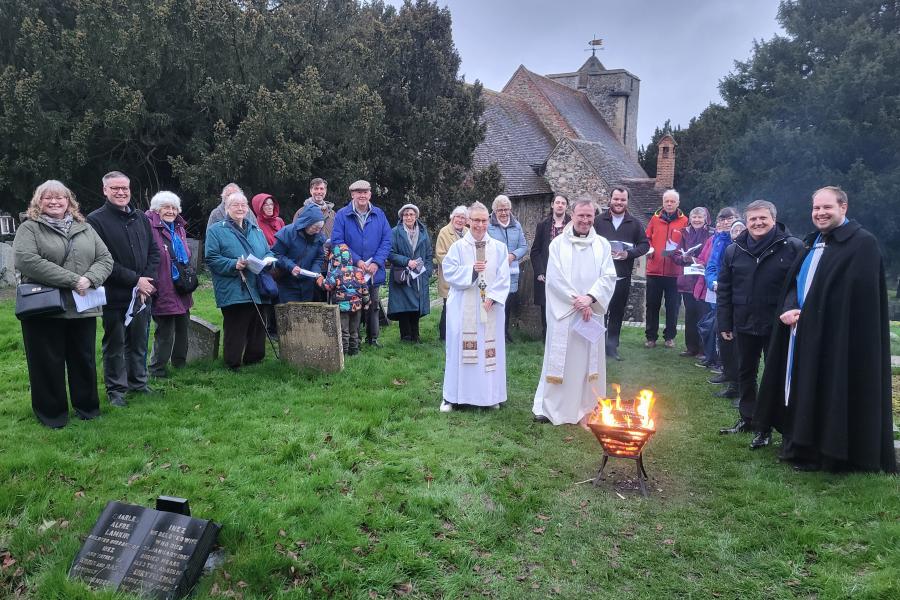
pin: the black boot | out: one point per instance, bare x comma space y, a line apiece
741, 426
762, 439
730, 392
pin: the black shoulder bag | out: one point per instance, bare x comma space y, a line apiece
187, 275
34, 299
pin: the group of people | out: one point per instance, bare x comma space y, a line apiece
815, 309
744, 284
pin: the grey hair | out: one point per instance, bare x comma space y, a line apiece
230, 189
459, 210
759, 205
475, 207
699, 210
672, 192
235, 196
114, 175
582, 201
501, 200
161, 199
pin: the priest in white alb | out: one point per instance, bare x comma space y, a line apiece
477, 270
580, 281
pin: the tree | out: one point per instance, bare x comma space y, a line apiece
818, 106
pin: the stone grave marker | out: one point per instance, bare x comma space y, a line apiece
7, 266
309, 334
203, 340
143, 551
195, 247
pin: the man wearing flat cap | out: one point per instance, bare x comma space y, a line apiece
365, 230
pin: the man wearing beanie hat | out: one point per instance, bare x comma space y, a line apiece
365, 230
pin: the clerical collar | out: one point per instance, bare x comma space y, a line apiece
581, 235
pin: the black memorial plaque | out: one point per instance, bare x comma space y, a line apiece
144, 551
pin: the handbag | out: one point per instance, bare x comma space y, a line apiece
187, 280
34, 299
401, 276
265, 283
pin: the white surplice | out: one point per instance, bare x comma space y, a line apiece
475, 383
575, 267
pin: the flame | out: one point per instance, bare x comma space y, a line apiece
612, 413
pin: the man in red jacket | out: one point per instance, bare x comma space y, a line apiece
664, 233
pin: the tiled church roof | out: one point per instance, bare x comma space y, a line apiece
517, 141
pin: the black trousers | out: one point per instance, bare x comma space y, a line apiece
125, 350
370, 315
409, 325
442, 326
728, 358
244, 335
749, 350
510, 309
616, 313
657, 287
694, 310
53, 349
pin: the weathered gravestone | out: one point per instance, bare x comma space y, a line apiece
309, 334
144, 551
195, 247
203, 340
7, 266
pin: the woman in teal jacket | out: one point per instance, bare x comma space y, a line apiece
410, 252
504, 227
228, 243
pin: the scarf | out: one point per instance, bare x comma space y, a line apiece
473, 309
178, 249
757, 247
413, 236
60, 225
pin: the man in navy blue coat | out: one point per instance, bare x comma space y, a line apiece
365, 230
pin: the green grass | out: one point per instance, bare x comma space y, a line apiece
355, 486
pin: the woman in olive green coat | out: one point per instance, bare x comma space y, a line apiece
65, 342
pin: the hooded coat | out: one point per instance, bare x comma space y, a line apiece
167, 301
412, 296
268, 225
690, 237
327, 210
222, 250
840, 395
296, 248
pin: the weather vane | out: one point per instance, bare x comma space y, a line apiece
594, 44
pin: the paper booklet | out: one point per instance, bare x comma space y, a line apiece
671, 246
592, 330
618, 246
414, 273
305, 273
695, 270
137, 305
92, 298
256, 265
691, 250
368, 275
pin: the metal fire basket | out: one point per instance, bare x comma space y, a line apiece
623, 442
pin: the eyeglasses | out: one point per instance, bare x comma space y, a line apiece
57, 198
503, 210
119, 188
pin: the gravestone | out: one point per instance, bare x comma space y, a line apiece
637, 296
7, 266
203, 340
143, 551
309, 334
195, 247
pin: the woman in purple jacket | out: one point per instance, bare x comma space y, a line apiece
692, 239
171, 310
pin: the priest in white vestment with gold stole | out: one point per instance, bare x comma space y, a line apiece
580, 281
477, 270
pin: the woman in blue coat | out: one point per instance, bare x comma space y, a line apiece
228, 243
410, 255
300, 245
504, 228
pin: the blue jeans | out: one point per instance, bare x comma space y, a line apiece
706, 326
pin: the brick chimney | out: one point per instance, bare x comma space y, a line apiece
665, 163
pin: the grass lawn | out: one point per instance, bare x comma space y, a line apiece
355, 486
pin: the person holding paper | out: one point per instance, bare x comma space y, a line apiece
300, 247
693, 238
545, 232
171, 309
506, 229
411, 268
235, 252
581, 280
126, 232
477, 270
664, 233
628, 241
56, 248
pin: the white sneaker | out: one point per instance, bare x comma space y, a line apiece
446, 406
495, 406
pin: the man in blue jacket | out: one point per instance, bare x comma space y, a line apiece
365, 230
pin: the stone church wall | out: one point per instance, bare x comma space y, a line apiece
569, 174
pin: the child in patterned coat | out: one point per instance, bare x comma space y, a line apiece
347, 284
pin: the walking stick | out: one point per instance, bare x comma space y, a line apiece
261, 319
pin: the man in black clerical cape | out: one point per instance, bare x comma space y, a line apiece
827, 380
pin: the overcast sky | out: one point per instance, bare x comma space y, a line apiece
678, 49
